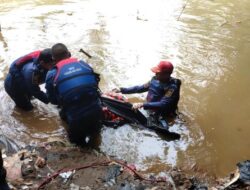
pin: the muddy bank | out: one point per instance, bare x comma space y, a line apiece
59, 165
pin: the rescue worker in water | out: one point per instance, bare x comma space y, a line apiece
73, 86
24, 77
163, 91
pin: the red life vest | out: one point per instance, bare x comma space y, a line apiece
27, 58
75, 80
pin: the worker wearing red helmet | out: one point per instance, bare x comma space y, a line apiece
163, 91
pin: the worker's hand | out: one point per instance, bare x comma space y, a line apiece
116, 90
136, 106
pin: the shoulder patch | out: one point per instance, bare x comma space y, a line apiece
169, 92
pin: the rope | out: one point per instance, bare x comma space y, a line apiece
105, 163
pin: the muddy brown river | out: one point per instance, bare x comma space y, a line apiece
207, 41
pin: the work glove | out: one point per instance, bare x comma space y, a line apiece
136, 106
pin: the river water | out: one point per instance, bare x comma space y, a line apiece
207, 41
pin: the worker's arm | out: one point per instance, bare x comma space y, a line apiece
49, 85
32, 82
135, 89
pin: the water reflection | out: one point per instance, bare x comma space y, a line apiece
142, 146
208, 46
36, 125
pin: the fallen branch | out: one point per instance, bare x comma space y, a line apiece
84, 52
183, 8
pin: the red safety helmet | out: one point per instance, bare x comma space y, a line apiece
163, 66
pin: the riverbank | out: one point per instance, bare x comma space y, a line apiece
57, 164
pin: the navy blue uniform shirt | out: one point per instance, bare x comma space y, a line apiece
26, 80
162, 97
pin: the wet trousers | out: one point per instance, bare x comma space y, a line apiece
80, 126
17, 92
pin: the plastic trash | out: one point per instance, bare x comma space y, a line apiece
241, 177
112, 172
66, 175
244, 169
9, 145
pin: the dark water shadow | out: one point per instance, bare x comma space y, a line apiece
162, 133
